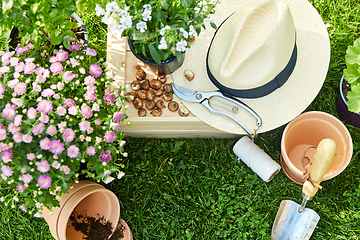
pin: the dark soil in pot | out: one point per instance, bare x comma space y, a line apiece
346, 87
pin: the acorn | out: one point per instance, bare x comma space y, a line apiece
145, 84
150, 105
138, 103
167, 87
135, 85
150, 95
142, 112
167, 97
173, 106
160, 104
162, 78
142, 94
156, 112
155, 84
140, 75
183, 112
159, 92
189, 75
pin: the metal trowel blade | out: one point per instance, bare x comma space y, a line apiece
289, 224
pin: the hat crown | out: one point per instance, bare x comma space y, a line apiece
253, 45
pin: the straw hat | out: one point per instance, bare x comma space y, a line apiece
272, 55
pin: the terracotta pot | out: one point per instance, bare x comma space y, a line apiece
86, 195
308, 129
165, 67
127, 232
342, 109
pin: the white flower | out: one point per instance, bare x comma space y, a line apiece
181, 46
147, 7
116, 30
112, 7
208, 21
141, 26
99, 10
192, 31
184, 33
163, 44
107, 19
146, 15
163, 30
126, 22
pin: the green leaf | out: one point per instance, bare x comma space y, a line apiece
6, 5
184, 2
351, 73
154, 54
213, 25
354, 98
164, 4
353, 53
66, 43
34, 7
55, 40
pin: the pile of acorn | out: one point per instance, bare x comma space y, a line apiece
152, 95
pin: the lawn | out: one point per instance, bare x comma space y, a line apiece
196, 188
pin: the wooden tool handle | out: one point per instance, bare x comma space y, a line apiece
323, 157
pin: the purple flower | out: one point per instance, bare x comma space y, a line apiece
69, 103
56, 147
69, 38
56, 68
75, 47
20, 188
90, 151
90, 96
91, 52
44, 182
72, 151
7, 155
44, 107
38, 129
45, 144
6, 170
95, 70
26, 178
86, 111
109, 98
8, 112
105, 156
51, 130
20, 88
61, 55
68, 135
43, 166
109, 136
117, 116
23, 208
31, 113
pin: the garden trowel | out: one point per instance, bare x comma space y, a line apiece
294, 221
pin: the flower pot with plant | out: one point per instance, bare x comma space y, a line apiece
159, 32
55, 115
348, 104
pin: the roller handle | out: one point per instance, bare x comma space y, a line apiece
323, 157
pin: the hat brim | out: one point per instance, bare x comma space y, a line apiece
285, 103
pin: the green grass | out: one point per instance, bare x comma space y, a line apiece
196, 189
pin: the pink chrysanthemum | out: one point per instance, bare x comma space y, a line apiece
30, 156
61, 111
72, 151
18, 137
47, 92
122, 143
2, 134
117, 116
27, 138
91, 52
65, 169
109, 98
56, 165
6, 170
105, 156
90, 96
44, 118
7, 155
44, 106
75, 47
31, 113
68, 135
95, 70
43, 166
45, 144
56, 68
73, 110
18, 120
86, 111
20, 88
23, 208
89, 80
62, 55
51, 130
56, 147
38, 129
69, 103
8, 112
29, 68
110, 136
39, 70
74, 62
96, 107
98, 122
21, 50
68, 76
20, 188
116, 127
82, 70
13, 128
90, 151
2, 88
20, 67
26, 178
84, 125
44, 182
17, 101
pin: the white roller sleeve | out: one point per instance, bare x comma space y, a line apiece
256, 159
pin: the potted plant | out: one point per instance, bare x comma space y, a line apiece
348, 105
56, 116
159, 31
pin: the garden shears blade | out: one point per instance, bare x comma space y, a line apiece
218, 99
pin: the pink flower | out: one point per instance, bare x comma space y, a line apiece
20, 67
30, 156
109, 180
75, 47
89, 80
18, 137
31, 113
2, 88
122, 143
90, 151
116, 127
53, 59
23, 208
44, 118
91, 52
84, 125
61, 111
2, 134
7, 155
73, 110
18, 120
13, 128
43, 166
90, 96
56, 68
98, 122
72, 151
27, 138
56, 147
20, 188
8, 112
68, 76
44, 107
44, 182
45, 144
17, 101
117, 116
20, 88
74, 62
36, 87
90, 130
105, 156
22, 50
6, 170
86, 111
29, 68
96, 107
56, 165
69, 135
65, 169
82, 70
51, 130
69, 103
47, 92
60, 86
39, 70
38, 129
61, 55
26, 178
109, 98
95, 70
109, 136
